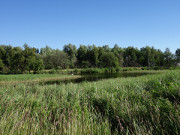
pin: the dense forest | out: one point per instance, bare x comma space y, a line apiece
26, 59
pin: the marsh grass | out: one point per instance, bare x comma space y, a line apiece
28, 78
142, 105
102, 70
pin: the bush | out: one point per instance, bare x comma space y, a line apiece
52, 71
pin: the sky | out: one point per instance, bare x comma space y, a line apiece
136, 23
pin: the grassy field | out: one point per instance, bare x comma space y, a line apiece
28, 78
143, 105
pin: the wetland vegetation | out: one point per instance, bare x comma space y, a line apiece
146, 104
89, 90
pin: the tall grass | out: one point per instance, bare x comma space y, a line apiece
32, 77
143, 105
103, 70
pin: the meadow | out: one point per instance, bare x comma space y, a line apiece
147, 104
33, 78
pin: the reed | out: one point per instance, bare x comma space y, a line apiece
23, 78
135, 105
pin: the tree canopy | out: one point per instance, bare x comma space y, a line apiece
25, 59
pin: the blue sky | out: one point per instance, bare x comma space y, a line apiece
101, 22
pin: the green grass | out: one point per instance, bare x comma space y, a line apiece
98, 70
33, 77
143, 105
103, 70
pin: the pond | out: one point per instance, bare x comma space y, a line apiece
95, 77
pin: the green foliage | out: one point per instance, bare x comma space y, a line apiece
177, 53
37, 65
59, 60
108, 59
90, 71
131, 57
167, 88
119, 52
52, 74
17, 60
27, 59
143, 105
71, 51
1, 65
53, 71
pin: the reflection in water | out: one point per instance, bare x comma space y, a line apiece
94, 77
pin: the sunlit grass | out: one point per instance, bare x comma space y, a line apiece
135, 105
33, 77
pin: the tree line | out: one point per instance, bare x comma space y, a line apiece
27, 59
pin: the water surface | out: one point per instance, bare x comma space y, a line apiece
95, 77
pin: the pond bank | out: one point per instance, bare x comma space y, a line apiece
59, 79
17, 80
135, 105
